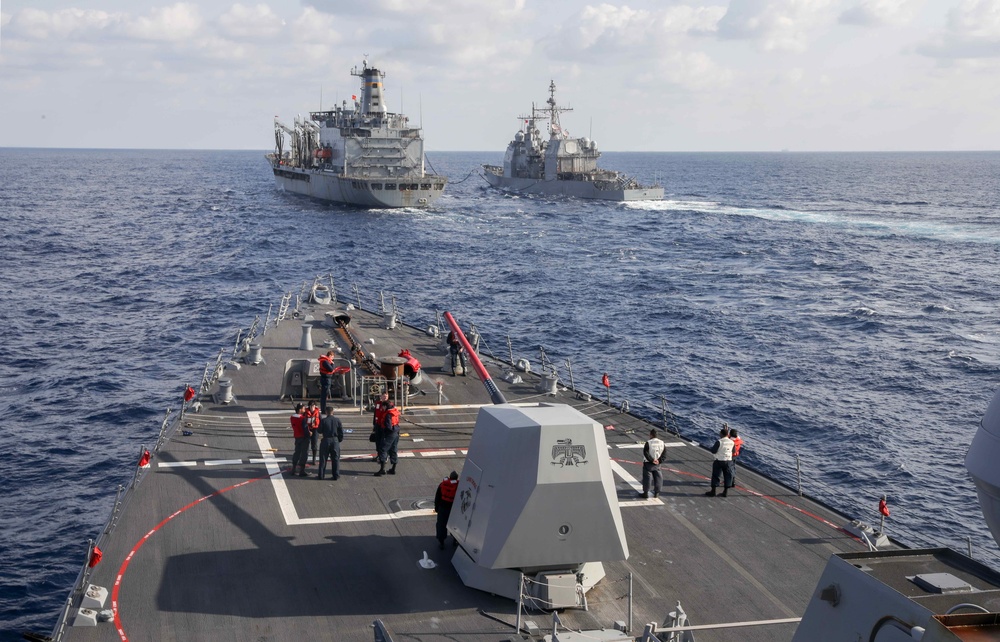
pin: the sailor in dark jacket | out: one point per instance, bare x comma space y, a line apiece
331, 433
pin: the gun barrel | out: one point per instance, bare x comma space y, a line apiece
495, 395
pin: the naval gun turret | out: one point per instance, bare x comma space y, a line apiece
536, 499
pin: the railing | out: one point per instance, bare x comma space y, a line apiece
400, 390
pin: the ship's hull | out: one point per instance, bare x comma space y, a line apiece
360, 191
577, 189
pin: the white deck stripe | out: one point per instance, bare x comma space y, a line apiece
277, 481
288, 506
671, 444
223, 462
266, 460
176, 464
636, 486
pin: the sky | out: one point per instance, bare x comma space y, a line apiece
667, 75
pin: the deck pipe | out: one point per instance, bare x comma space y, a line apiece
495, 395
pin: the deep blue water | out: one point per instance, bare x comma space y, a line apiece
838, 307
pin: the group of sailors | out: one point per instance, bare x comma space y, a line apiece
726, 450
322, 435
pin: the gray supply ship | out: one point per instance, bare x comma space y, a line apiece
358, 153
558, 164
549, 539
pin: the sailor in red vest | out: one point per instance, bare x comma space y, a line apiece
311, 418
378, 415
390, 439
325, 379
737, 445
444, 498
301, 434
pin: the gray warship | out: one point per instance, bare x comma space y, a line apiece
560, 165
549, 538
358, 153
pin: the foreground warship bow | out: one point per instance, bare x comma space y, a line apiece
560, 165
358, 154
211, 539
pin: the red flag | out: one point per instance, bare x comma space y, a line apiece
882, 508
189, 394
144, 460
605, 381
354, 97
95, 557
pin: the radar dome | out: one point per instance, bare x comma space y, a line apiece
519, 137
981, 463
585, 142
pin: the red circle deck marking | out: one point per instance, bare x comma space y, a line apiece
138, 545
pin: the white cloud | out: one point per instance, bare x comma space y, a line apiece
874, 13
171, 24
774, 24
314, 27
607, 30
244, 22
35, 24
973, 31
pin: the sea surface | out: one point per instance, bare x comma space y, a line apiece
839, 309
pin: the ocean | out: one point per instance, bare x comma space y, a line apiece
838, 308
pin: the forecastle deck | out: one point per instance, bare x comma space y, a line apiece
217, 542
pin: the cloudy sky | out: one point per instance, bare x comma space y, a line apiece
667, 75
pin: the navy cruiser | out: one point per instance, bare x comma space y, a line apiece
358, 153
560, 165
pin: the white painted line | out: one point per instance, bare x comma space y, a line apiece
277, 481
417, 440
634, 484
423, 512
407, 455
438, 453
266, 460
176, 464
223, 462
672, 444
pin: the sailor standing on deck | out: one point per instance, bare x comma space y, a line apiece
737, 445
652, 454
390, 439
311, 415
722, 466
331, 434
457, 354
325, 379
301, 434
378, 415
444, 499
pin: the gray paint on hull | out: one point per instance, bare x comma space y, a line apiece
578, 189
329, 187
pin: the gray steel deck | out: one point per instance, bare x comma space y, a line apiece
223, 546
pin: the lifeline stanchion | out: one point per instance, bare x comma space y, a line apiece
798, 475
